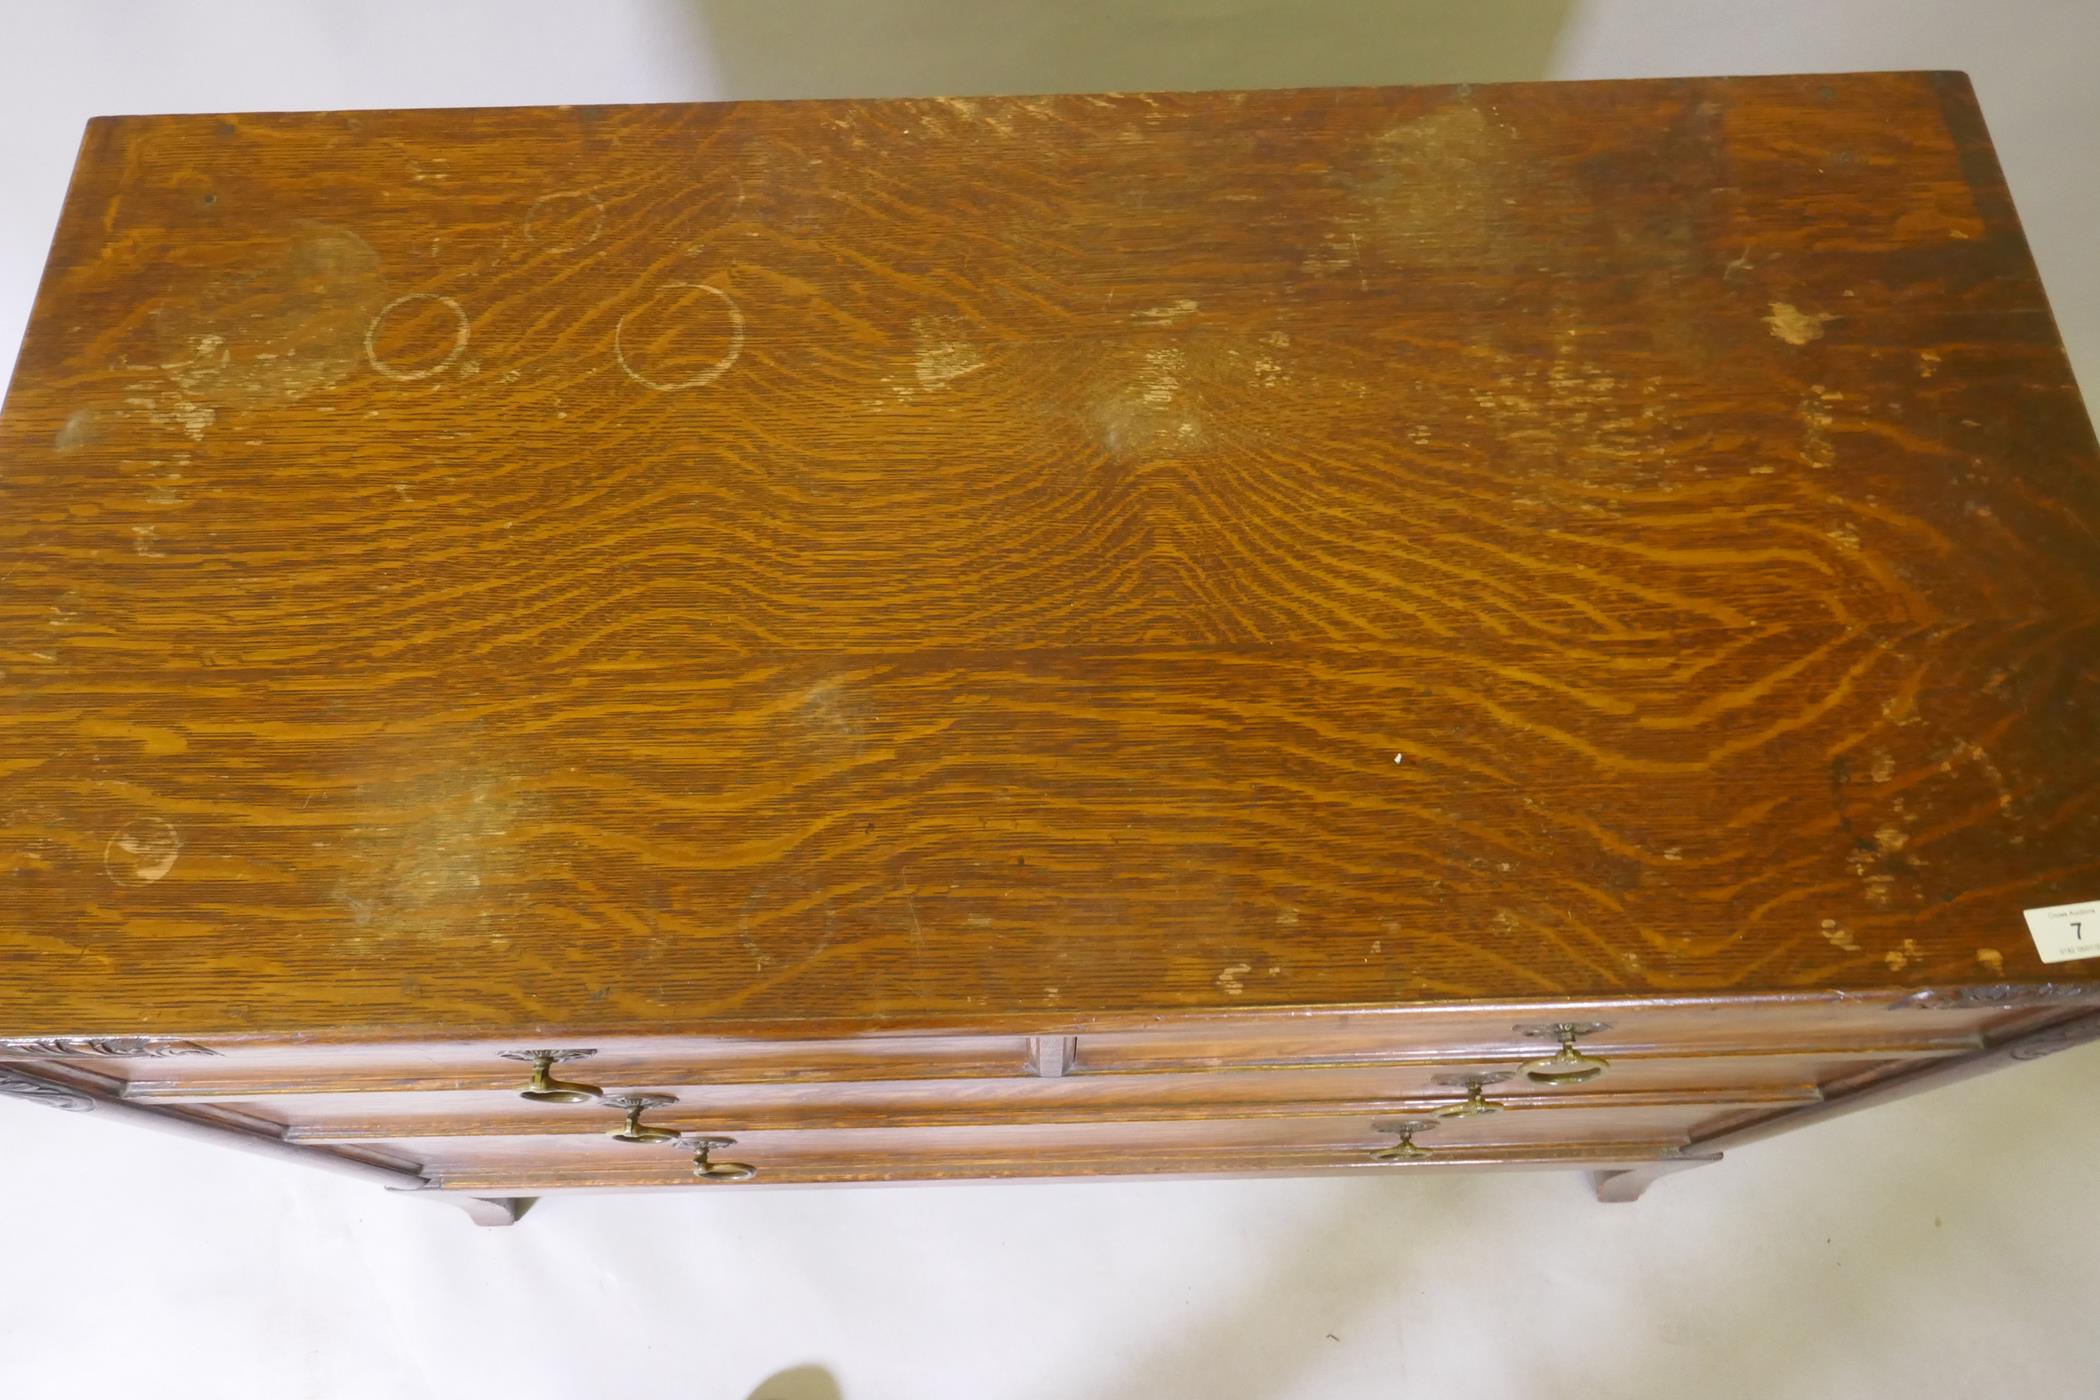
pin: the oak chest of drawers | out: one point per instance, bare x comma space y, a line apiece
1364, 630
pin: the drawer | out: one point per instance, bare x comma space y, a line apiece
1629, 1031
1565, 1132
1078, 1098
1707, 1027
501, 1067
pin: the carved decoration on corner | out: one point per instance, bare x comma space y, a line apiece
112, 1047
2004, 994
16, 1085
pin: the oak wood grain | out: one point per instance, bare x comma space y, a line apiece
907, 564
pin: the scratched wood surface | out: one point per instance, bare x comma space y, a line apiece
935, 563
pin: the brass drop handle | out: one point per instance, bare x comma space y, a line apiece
545, 1088
1567, 1065
707, 1169
1475, 1086
1404, 1150
635, 1106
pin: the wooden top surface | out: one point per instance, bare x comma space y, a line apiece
925, 563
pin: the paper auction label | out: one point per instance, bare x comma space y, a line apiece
2066, 931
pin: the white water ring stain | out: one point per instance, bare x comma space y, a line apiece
565, 220
460, 334
707, 374
142, 852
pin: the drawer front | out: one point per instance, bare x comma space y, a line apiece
1314, 1118
1261, 1094
1227, 1144
503, 1066
1450, 1036
1077, 1098
1702, 1028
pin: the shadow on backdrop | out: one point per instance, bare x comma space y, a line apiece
798, 1383
969, 48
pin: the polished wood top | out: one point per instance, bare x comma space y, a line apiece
1004, 561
